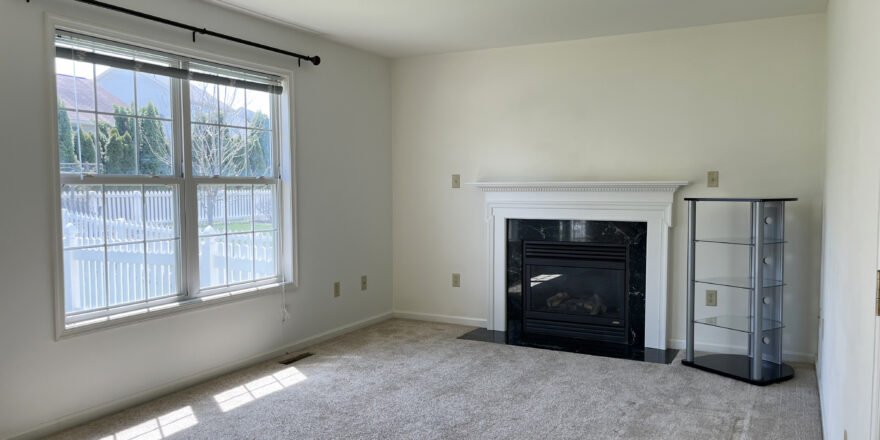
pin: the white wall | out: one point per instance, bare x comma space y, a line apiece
746, 99
343, 162
846, 345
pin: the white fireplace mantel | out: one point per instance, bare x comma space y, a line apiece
634, 201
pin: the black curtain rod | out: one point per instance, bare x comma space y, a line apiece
195, 30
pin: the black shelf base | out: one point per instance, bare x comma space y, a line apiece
736, 366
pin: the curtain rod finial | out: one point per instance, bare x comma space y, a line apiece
315, 60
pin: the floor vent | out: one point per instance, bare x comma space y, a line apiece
295, 358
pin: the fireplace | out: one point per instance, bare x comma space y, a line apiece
575, 290
637, 214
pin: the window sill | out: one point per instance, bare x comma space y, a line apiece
168, 309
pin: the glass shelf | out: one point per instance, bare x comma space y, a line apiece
738, 282
744, 241
738, 323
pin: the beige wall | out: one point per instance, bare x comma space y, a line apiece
846, 346
344, 195
746, 99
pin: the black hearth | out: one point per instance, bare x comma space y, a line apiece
575, 290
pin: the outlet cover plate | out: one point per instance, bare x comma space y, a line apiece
456, 180
711, 298
337, 289
712, 179
456, 280
363, 282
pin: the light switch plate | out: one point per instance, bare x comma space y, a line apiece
712, 179
363, 282
456, 180
337, 289
711, 298
456, 280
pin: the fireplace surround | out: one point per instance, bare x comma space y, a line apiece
647, 203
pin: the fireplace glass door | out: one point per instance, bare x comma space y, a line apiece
579, 294
576, 290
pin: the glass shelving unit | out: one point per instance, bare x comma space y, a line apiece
762, 322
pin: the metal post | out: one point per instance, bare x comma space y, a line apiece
757, 271
692, 227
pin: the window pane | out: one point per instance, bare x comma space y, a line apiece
117, 146
212, 261
259, 109
203, 102
232, 105
125, 273
240, 257
84, 279
82, 215
155, 152
264, 255
205, 150
233, 151
212, 209
74, 84
259, 153
160, 210
123, 205
239, 208
68, 153
154, 95
162, 264
86, 143
115, 90
264, 207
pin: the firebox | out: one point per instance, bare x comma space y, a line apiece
576, 290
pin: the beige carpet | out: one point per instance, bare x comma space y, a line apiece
414, 380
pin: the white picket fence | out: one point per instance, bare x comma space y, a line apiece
133, 275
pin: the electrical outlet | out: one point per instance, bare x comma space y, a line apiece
363, 282
711, 298
337, 289
712, 179
456, 280
456, 180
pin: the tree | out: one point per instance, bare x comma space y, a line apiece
259, 147
154, 153
118, 153
87, 151
66, 151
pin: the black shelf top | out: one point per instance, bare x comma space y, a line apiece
740, 199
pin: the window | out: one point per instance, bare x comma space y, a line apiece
170, 178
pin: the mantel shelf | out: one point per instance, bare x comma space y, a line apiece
580, 186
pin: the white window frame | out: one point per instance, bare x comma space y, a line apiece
192, 297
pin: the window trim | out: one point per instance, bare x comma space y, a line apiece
161, 307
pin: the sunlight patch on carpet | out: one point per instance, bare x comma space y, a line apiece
159, 428
253, 390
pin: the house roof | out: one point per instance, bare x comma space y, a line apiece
84, 94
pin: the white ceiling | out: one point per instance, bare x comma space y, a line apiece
400, 28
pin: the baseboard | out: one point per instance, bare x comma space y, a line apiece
790, 356
96, 412
446, 319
